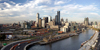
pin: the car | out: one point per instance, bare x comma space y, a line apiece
19, 44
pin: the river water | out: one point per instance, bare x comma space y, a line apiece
72, 43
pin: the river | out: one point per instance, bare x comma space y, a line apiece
72, 43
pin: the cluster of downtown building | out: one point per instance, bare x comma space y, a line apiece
56, 23
46, 22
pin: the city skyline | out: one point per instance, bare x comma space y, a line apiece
14, 11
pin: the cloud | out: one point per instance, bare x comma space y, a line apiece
59, 2
12, 2
7, 5
14, 12
4, 0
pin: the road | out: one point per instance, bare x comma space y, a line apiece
21, 46
9, 46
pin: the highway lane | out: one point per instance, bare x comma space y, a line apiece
21, 46
9, 46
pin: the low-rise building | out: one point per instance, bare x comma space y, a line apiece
65, 28
96, 25
29, 31
54, 27
8, 34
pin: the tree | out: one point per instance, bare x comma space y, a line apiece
2, 37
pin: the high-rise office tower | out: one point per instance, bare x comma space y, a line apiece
58, 16
37, 18
95, 23
62, 22
66, 20
40, 22
91, 23
49, 18
56, 19
43, 23
86, 21
46, 19
53, 21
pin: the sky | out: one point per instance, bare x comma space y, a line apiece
12, 11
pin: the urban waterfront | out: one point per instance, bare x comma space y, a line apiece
72, 43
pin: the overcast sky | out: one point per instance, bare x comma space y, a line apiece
74, 10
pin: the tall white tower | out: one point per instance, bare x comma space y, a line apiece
37, 18
49, 18
43, 23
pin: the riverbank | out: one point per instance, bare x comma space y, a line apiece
97, 46
56, 38
90, 44
87, 40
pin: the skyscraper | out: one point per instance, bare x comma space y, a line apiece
40, 22
91, 23
56, 19
86, 21
49, 18
66, 20
43, 23
58, 16
37, 18
95, 23
62, 22
46, 19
